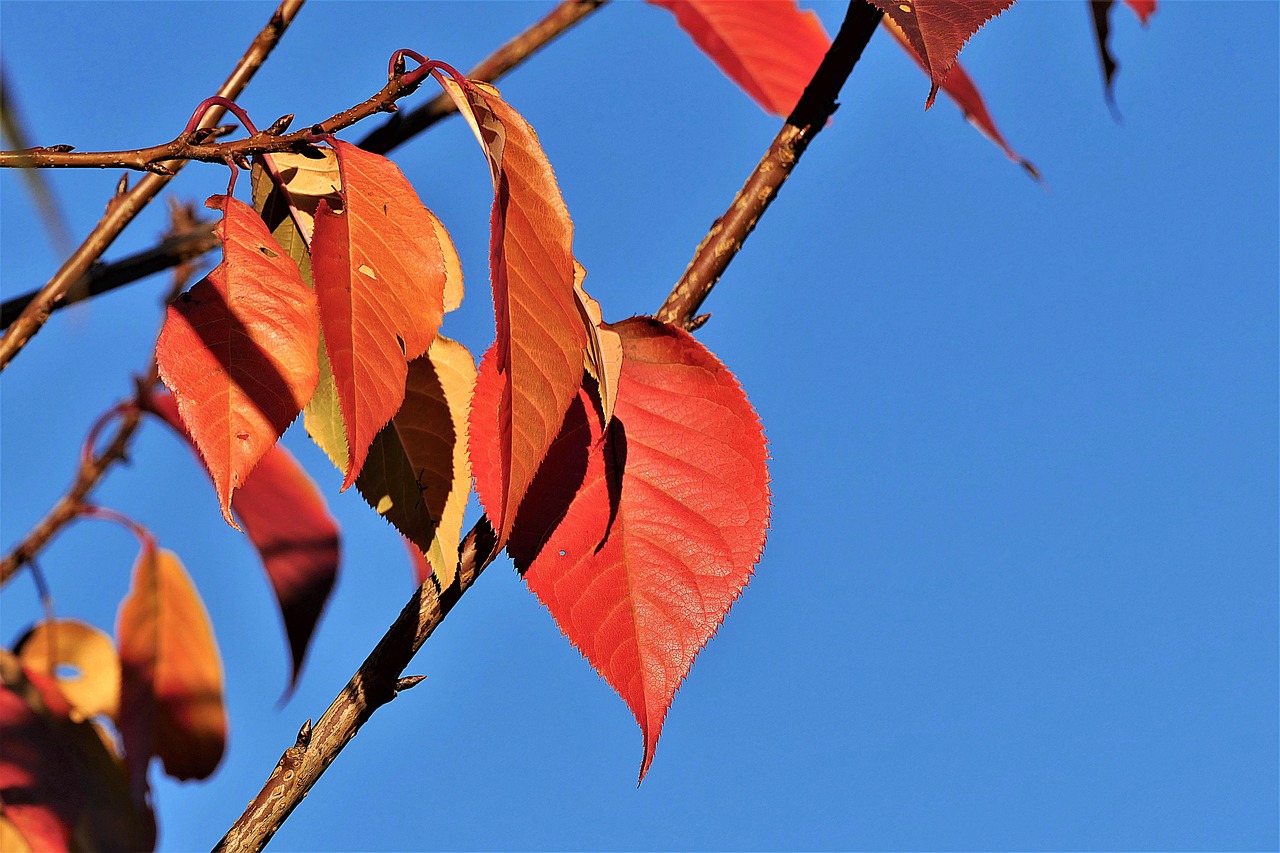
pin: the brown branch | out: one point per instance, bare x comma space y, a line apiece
125, 207
374, 683
806, 121
174, 250
94, 465
403, 126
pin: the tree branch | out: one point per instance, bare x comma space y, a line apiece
373, 685
125, 207
399, 129
806, 121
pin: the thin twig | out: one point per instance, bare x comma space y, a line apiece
93, 465
127, 206
403, 126
806, 121
399, 129
374, 683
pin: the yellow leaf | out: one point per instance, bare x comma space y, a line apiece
53, 647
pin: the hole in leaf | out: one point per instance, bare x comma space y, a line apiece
562, 553
270, 254
367, 270
67, 672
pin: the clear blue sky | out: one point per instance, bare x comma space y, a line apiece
1020, 590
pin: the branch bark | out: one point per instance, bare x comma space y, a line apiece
730, 231
125, 207
373, 685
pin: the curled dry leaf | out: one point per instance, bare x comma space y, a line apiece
938, 29
238, 350
604, 347
171, 674
287, 520
961, 89
53, 648
417, 475
541, 339
379, 275
770, 48
639, 551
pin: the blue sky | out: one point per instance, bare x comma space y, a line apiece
1020, 590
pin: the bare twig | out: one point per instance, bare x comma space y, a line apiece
399, 129
127, 206
93, 464
375, 683
403, 126
810, 115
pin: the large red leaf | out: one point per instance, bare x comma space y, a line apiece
171, 674
961, 89
380, 277
768, 47
937, 29
541, 341
61, 785
638, 544
238, 350
288, 521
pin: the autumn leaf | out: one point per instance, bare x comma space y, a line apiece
289, 523
604, 347
82, 661
639, 537
417, 475
938, 29
1144, 9
418, 560
238, 350
379, 277
541, 341
961, 89
1101, 10
61, 786
770, 48
171, 674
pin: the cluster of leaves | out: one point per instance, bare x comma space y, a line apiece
620, 464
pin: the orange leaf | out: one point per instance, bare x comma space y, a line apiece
63, 788
171, 674
380, 276
288, 522
959, 86
541, 342
604, 347
938, 29
638, 537
238, 350
53, 646
417, 475
770, 48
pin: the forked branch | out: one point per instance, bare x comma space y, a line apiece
374, 683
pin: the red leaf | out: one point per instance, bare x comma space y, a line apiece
638, 544
287, 520
770, 48
959, 86
171, 674
541, 342
937, 29
1144, 9
238, 350
380, 276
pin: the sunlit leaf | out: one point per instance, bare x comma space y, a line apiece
938, 29
81, 659
639, 543
541, 340
171, 674
379, 276
770, 48
417, 475
604, 347
238, 350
